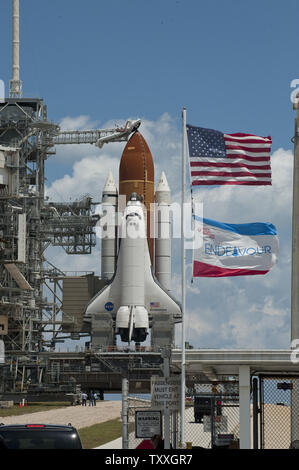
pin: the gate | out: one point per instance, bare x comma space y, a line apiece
212, 415
276, 419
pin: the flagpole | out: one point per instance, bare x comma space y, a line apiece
192, 213
183, 366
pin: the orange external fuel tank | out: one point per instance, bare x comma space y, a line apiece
136, 175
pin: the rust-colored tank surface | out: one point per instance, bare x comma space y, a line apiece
136, 175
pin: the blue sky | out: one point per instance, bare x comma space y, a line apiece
230, 63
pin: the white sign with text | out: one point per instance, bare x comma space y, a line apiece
166, 392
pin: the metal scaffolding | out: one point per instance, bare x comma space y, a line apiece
71, 225
23, 149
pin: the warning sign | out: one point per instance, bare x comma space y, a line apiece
148, 423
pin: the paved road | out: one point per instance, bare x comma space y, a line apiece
78, 416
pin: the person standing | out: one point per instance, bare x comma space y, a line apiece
91, 398
83, 398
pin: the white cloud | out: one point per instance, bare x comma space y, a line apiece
88, 177
269, 308
82, 122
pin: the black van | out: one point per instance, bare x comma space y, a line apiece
40, 436
204, 405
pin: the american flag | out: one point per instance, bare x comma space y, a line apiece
217, 158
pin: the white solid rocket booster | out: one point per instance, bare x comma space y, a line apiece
109, 228
163, 236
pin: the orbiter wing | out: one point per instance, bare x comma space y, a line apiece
157, 299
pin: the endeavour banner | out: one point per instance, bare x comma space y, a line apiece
235, 249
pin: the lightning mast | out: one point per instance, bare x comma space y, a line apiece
15, 84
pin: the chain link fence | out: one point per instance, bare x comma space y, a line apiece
211, 417
279, 412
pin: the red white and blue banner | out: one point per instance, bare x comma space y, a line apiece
218, 158
235, 249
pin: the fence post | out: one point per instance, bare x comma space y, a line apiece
166, 373
255, 412
174, 429
262, 401
125, 412
244, 386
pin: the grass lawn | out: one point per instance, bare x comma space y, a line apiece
99, 434
31, 408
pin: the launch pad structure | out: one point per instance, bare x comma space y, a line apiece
40, 305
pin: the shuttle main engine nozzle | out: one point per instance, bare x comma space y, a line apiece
132, 323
